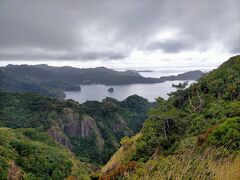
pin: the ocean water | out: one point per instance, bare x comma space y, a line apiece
99, 92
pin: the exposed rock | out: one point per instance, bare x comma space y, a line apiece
69, 123
72, 125
64, 128
58, 136
72, 129
89, 128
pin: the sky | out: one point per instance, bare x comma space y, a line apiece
126, 34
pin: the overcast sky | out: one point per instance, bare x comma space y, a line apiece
119, 34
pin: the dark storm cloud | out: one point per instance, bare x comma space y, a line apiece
90, 30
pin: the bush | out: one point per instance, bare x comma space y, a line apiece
3, 168
39, 160
227, 135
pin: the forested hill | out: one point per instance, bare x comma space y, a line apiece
31, 154
52, 81
91, 130
195, 134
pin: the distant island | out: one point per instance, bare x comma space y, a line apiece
110, 90
53, 81
144, 71
190, 75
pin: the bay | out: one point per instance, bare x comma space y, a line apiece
98, 92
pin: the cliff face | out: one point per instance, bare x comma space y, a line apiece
71, 125
58, 136
69, 122
72, 128
89, 129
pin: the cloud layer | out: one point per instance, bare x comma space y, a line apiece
113, 30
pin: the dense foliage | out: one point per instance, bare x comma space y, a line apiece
29, 154
29, 110
194, 111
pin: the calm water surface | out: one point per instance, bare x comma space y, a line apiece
99, 92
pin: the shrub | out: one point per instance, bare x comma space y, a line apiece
227, 135
3, 168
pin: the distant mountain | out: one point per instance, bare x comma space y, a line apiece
52, 81
190, 75
145, 71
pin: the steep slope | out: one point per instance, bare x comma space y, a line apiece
29, 154
195, 134
91, 130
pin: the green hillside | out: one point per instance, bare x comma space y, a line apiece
29, 154
195, 134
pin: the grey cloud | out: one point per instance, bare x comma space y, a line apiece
93, 29
94, 55
170, 46
84, 55
33, 23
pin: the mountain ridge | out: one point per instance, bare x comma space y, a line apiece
52, 81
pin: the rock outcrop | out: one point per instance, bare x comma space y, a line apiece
89, 128
60, 137
72, 125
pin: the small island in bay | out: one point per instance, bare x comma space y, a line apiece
110, 90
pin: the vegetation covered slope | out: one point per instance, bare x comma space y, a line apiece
30, 154
52, 81
92, 130
195, 134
